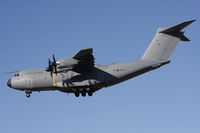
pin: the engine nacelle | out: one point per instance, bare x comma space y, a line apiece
66, 64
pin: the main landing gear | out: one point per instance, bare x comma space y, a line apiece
77, 94
83, 93
28, 93
90, 93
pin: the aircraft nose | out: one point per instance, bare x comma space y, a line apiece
9, 83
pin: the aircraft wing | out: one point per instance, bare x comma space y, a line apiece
85, 60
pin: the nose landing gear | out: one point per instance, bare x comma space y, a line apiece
28, 93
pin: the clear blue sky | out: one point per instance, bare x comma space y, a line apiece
166, 100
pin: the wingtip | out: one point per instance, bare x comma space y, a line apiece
193, 20
190, 21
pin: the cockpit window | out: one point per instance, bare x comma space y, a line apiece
16, 74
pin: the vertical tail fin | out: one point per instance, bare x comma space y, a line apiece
165, 42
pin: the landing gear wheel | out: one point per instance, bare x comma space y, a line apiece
28, 95
83, 93
89, 93
77, 94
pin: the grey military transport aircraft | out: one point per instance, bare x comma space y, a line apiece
80, 75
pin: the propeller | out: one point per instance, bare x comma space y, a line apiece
52, 66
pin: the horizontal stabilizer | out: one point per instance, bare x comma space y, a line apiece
176, 30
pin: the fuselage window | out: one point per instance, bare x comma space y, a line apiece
16, 75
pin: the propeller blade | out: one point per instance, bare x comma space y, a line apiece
49, 62
54, 60
55, 69
52, 66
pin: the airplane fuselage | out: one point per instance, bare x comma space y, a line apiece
70, 82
